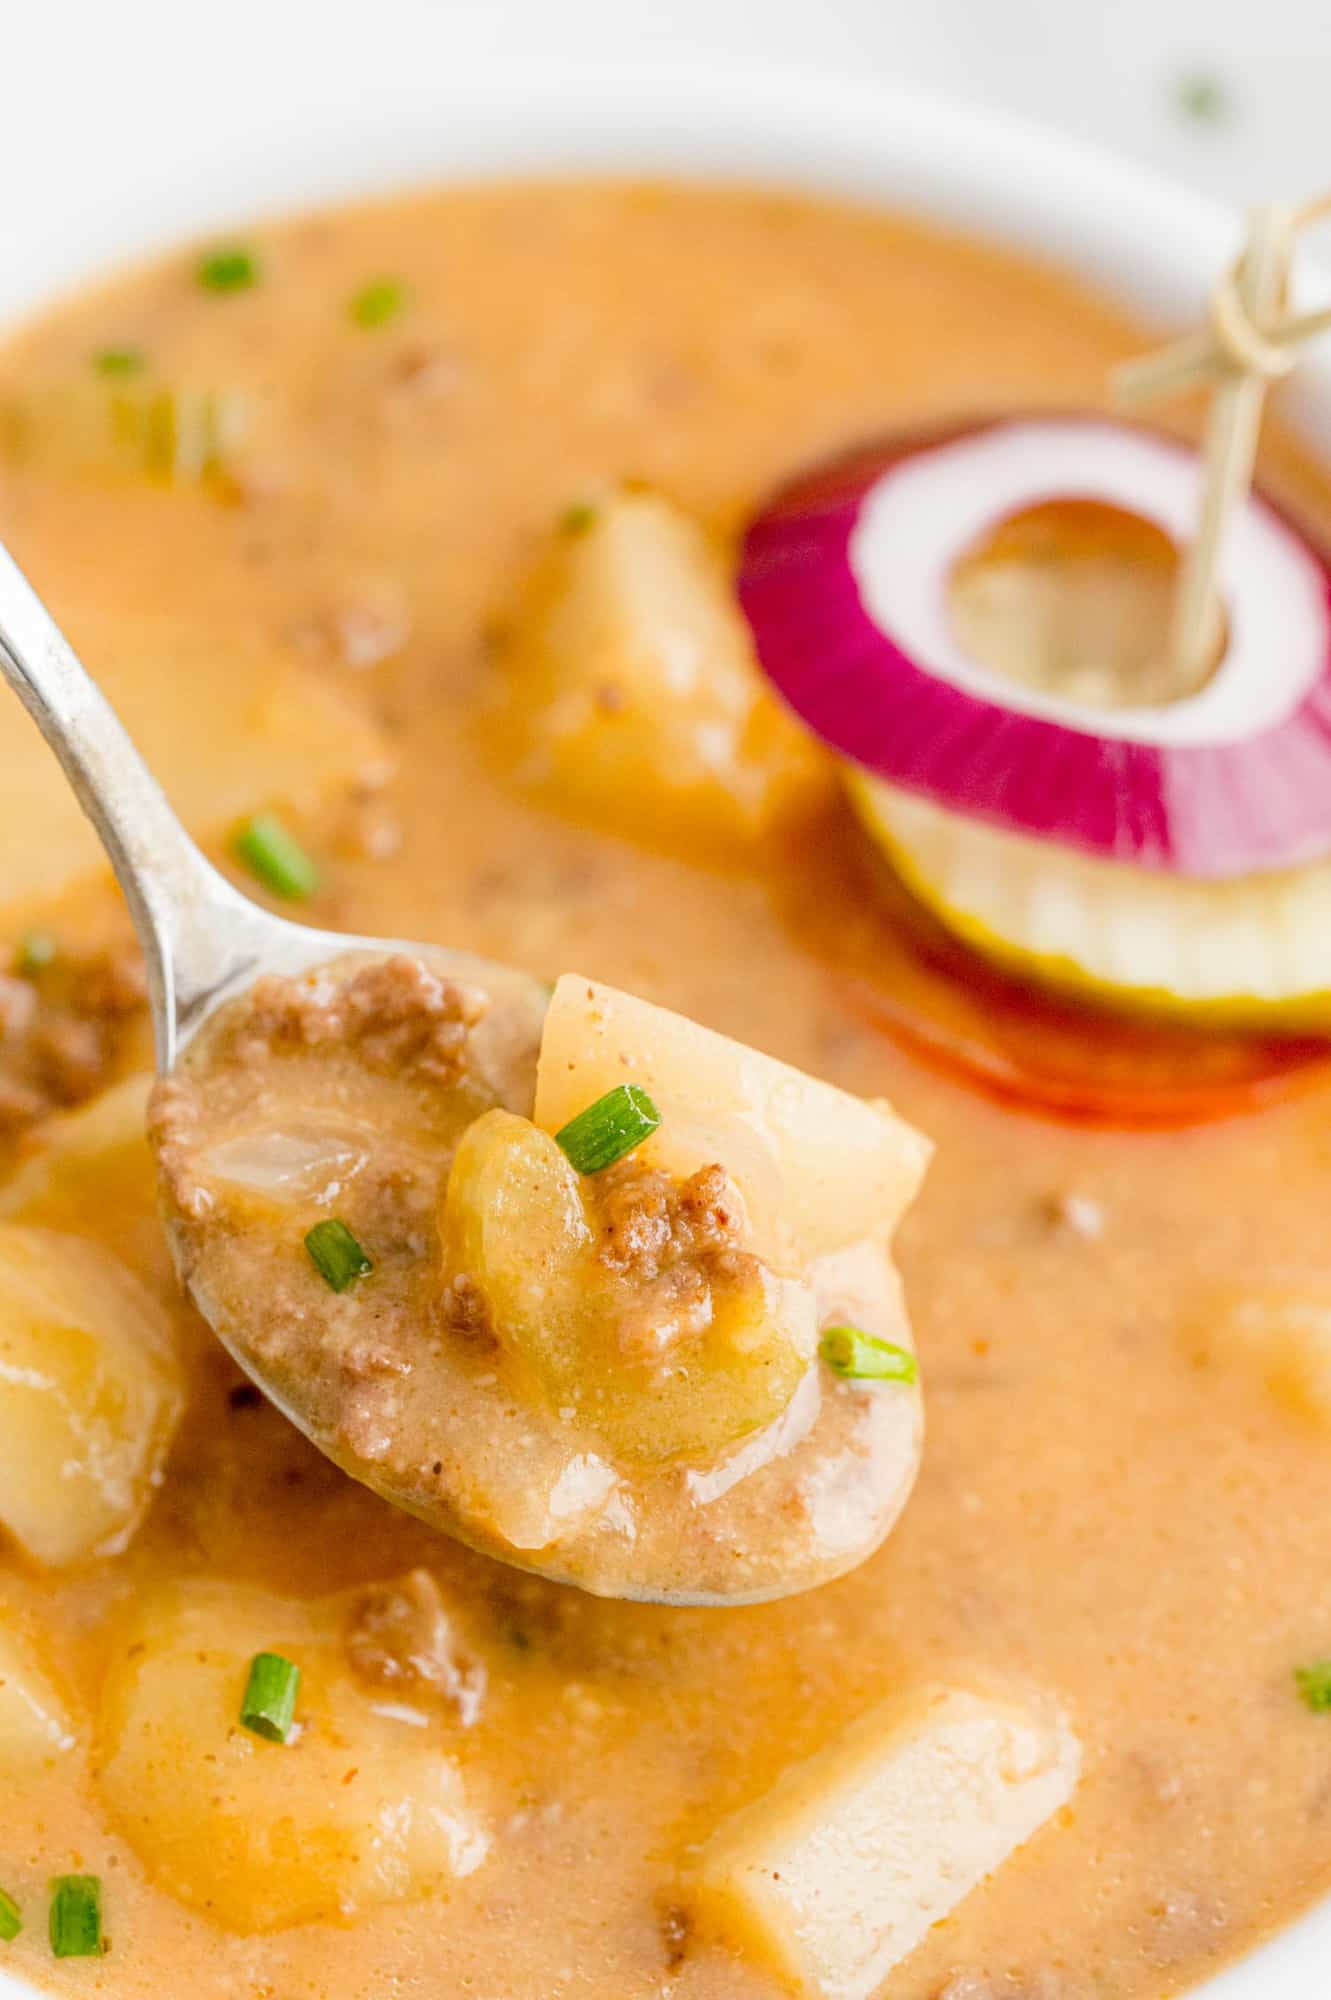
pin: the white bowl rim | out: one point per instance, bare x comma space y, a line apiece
1122, 227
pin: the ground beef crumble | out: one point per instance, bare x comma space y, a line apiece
64, 1029
402, 1638
651, 1222
465, 1310
399, 1016
671, 1242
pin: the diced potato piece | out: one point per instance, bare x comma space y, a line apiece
1283, 1334
818, 1168
632, 679
94, 1171
90, 1394
364, 1804
520, 1222
34, 1723
226, 731
838, 1873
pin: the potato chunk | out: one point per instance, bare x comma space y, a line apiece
657, 1367
94, 1169
34, 1723
818, 1168
633, 683
89, 1395
1280, 1333
838, 1873
364, 1804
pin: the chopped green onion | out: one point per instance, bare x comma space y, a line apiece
230, 269
119, 361
1314, 1684
576, 520
336, 1254
36, 950
1203, 97
608, 1129
11, 1918
76, 1916
276, 857
180, 434
862, 1357
375, 304
270, 1697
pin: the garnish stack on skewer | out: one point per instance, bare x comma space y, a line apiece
1081, 679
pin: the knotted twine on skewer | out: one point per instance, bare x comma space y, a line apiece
1249, 343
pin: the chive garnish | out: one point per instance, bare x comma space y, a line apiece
119, 361
1202, 96
36, 950
269, 851
1314, 1684
229, 269
576, 520
862, 1357
270, 1696
336, 1254
376, 303
608, 1129
11, 1918
76, 1916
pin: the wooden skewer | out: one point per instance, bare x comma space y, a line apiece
1200, 358
1232, 344
1230, 450
1250, 343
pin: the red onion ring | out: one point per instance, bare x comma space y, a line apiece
843, 580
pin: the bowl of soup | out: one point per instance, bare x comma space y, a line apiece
396, 426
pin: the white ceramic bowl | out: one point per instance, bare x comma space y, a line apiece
133, 183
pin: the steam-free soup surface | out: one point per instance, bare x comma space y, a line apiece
1122, 1505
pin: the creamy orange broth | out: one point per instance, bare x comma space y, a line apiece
1107, 1511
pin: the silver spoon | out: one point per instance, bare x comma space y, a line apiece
205, 944
203, 941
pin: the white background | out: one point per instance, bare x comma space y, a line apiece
72, 70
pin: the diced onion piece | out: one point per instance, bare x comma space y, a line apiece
293, 1165
845, 580
1255, 951
818, 1168
123, 421
834, 1876
90, 1394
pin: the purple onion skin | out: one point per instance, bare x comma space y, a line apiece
1206, 810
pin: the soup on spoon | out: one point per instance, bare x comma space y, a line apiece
621, 1310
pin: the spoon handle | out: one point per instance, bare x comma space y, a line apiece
191, 924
